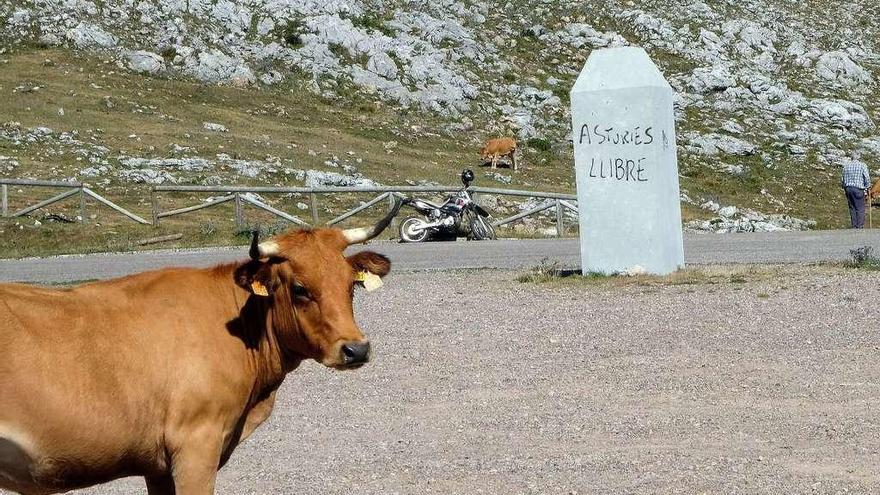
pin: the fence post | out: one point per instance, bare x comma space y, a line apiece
82, 203
313, 200
560, 225
394, 223
4, 192
239, 214
154, 206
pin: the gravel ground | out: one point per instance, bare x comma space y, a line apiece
482, 384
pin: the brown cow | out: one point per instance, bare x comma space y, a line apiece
498, 147
874, 191
162, 374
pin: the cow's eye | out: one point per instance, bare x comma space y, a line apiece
301, 292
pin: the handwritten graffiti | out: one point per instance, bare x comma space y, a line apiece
621, 169
599, 134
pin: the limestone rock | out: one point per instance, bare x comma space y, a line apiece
841, 112
735, 220
707, 79
214, 127
838, 67
713, 144
215, 66
147, 176
382, 65
86, 35
317, 178
146, 62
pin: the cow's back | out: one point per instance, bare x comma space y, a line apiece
89, 376
499, 146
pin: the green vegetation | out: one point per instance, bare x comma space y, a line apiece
373, 22
539, 144
863, 258
290, 33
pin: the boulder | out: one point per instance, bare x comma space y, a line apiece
214, 127
20, 18
839, 68
317, 178
216, 67
382, 65
843, 113
727, 211
86, 35
145, 62
182, 164
708, 79
147, 176
713, 144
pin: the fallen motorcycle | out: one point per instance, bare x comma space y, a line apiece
458, 216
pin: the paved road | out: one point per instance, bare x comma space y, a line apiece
781, 247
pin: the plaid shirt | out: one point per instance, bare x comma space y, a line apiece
855, 174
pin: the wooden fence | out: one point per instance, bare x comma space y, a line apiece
245, 195
72, 189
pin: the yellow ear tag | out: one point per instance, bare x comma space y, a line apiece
259, 289
370, 280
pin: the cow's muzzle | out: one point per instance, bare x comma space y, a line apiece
355, 354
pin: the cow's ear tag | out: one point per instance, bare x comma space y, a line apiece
370, 280
259, 289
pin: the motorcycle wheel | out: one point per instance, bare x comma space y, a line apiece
406, 230
481, 228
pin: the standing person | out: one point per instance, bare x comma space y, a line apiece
855, 182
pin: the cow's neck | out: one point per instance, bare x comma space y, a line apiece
268, 362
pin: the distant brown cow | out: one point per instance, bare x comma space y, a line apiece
162, 374
874, 191
498, 147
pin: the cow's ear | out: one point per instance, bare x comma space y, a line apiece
255, 277
368, 261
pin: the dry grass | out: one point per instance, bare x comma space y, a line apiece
149, 115
550, 274
285, 122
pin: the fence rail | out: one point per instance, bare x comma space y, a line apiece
73, 188
242, 195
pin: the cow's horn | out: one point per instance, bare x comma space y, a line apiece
268, 249
262, 249
364, 234
255, 245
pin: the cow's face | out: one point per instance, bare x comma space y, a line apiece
309, 284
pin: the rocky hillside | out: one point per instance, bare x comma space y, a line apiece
772, 95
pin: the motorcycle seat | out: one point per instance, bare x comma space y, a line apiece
431, 204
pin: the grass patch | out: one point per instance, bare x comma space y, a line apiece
539, 144
550, 273
373, 22
543, 272
290, 33
863, 258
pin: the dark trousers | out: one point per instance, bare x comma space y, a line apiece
855, 198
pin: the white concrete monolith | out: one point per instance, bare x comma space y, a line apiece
626, 165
